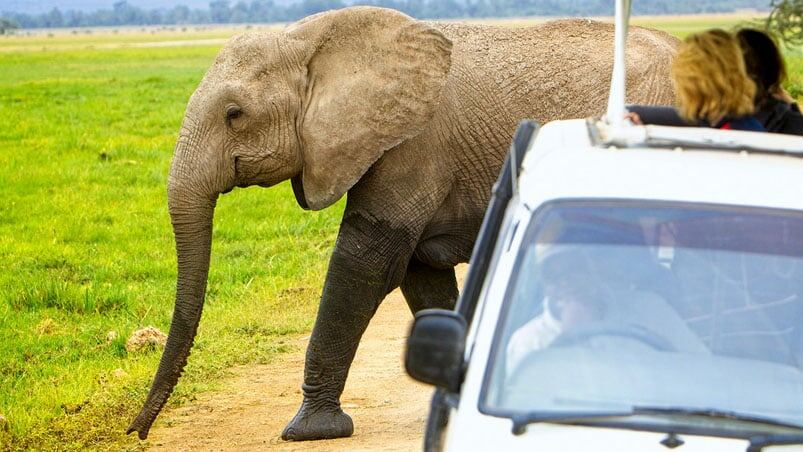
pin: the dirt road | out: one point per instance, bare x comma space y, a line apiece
388, 408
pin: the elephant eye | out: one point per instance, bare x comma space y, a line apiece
233, 112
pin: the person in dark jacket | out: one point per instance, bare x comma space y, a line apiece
775, 108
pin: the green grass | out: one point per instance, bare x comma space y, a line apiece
794, 61
86, 247
682, 26
98, 37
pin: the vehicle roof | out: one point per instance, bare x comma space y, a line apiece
563, 162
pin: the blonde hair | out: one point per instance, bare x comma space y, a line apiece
710, 78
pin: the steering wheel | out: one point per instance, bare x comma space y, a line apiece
638, 333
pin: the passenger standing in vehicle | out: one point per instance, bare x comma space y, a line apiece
712, 84
775, 108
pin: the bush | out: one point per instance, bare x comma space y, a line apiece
786, 20
7, 26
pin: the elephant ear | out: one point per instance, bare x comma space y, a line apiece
374, 78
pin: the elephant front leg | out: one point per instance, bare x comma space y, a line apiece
363, 269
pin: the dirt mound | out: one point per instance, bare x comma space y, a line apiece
147, 338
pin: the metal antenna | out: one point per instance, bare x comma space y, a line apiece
616, 98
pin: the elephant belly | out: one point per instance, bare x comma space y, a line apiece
445, 246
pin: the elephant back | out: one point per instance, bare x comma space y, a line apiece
562, 67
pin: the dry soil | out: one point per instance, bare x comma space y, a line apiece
250, 411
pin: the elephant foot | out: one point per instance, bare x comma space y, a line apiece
310, 425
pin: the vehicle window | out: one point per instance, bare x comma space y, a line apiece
615, 305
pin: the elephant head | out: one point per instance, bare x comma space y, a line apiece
318, 103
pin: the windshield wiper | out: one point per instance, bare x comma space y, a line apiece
758, 443
521, 421
714, 413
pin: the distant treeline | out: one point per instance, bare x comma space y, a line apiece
222, 11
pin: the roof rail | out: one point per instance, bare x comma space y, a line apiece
693, 138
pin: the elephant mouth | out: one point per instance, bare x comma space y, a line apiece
298, 191
236, 165
237, 185
238, 182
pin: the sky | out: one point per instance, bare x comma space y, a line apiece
41, 6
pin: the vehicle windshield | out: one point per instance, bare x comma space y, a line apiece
615, 305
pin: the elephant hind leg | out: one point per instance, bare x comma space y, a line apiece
426, 287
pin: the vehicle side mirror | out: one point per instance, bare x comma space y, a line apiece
435, 348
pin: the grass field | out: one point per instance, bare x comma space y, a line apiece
86, 246
86, 249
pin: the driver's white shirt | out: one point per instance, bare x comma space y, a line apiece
644, 309
536, 334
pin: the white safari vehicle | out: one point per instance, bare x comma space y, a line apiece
632, 288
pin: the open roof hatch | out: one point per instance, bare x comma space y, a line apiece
614, 130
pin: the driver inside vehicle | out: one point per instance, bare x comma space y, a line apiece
579, 305
571, 300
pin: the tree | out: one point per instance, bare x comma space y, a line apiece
178, 15
310, 7
266, 11
53, 19
786, 20
219, 11
125, 14
240, 14
7, 26
786, 16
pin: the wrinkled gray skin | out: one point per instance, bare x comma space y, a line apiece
413, 120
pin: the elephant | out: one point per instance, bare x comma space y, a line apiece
413, 120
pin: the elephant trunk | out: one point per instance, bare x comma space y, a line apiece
191, 215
